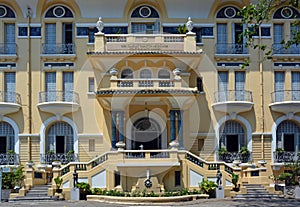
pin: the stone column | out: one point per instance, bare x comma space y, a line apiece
113, 129
180, 127
172, 126
121, 145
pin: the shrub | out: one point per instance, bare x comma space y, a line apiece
208, 187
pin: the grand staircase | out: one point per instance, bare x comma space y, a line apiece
256, 191
36, 193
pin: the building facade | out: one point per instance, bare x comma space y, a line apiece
154, 91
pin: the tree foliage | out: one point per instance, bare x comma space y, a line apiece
255, 14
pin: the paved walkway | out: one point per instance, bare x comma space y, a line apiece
198, 203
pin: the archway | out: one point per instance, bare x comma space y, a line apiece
146, 134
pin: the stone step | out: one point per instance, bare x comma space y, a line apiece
36, 194
30, 199
257, 196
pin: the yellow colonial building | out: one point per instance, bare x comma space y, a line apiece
129, 91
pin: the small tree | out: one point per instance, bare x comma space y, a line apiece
58, 182
208, 187
234, 180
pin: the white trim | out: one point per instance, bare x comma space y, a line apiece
274, 129
15, 127
162, 122
106, 24
31, 25
241, 119
29, 135
51, 120
91, 135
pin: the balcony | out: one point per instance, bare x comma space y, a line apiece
10, 102
59, 102
64, 158
63, 51
285, 101
9, 159
8, 51
283, 157
233, 101
229, 157
231, 51
145, 42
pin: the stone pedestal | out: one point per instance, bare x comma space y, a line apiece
297, 192
220, 192
74, 194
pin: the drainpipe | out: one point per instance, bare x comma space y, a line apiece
29, 92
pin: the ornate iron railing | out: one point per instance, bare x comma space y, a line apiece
285, 156
135, 155
281, 49
231, 156
59, 96
285, 95
58, 49
10, 97
64, 158
8, 48
9, 159
231, 48
233, 95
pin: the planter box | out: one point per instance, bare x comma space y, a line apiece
5, 194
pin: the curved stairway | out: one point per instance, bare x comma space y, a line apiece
36, 193
256, 191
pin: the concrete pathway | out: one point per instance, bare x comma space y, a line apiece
198, 203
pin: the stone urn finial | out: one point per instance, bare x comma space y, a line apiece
113, 72
189, 25
100, 25
177, 72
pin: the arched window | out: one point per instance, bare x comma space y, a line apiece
127, 73
232, 136
286, 12
60, 138
145, 74
287, 136
59, 11
145, 20
164, 74
228, 12
6, 12
7, 138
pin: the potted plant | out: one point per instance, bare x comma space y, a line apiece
244, 154
12, 181
234, 180
84, 189
223, 153
208, 187
29, 163
58, 182
181, 29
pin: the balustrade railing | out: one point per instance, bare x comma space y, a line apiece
281, 49
59, 96
229, 157
190, 157
130, 38
99, 160
58, 49
145, 83
231, 48
10, 97
233, 95
8, 48
64, 158
286, 156
135, 155
159, 155
285, 95
9, 159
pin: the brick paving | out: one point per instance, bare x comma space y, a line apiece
199, 203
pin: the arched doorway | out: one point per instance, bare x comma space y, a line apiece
146, 132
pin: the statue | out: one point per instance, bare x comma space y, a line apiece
100, 25
75, 178
189, 25
219, 179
